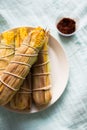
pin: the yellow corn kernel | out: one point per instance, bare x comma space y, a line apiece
38, 36
8, 37
23, 33
17, 40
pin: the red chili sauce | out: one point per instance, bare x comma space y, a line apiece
66, 26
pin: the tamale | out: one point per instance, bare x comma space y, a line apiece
9, 42
22, 99
41, 81
15, 73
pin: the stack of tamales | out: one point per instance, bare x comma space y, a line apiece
23, 47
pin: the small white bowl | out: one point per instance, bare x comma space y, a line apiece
60, 18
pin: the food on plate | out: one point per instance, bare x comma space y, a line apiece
22, 99
41, 80
6, 49
18, 68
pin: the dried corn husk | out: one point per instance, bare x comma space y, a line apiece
6, 49
41, 77
15, 73
22, 99
10, 41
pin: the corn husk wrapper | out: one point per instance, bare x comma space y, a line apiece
22, 99
41, 81
7, 49
10, 84
9, 42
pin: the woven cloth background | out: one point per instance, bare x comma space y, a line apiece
70, 111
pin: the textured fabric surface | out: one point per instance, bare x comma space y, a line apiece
70, 111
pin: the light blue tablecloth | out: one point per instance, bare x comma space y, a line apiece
70, 111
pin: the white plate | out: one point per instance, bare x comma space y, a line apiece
59, 69
59, 72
